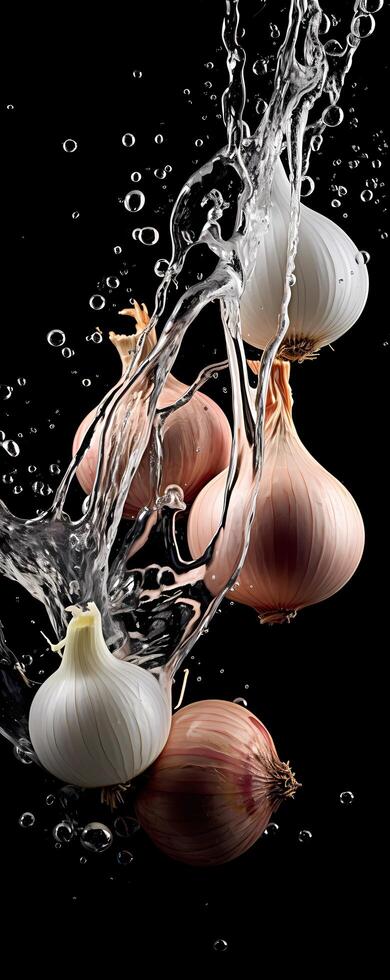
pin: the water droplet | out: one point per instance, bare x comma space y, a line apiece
353, 164
220, 945
83, 860
50, 799
124, 858
332, 116
159, 138
160, 174
198, 142
363, 25
96, 336
333, 47
361, 258
22, 382
126, 826
316, 142
135, 177
63, 832
86, 382
32, 469
198, 679
304, 835
241, 701
137, 73
96, 837
56, 338
260, 66
271, 830
261, 106
366, 196
161, 267
10, 107
274, 31
346, 797
117, 249
11, 447
148, 236
97, 302
128, 139
307, 186
335, 203
291, 281
67, 352
134, 201
69, 146
27, 819
22, 752
75, 215
18, 490
5, 392
384, 235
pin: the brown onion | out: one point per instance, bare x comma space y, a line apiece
210, 794
197, 437
307, 536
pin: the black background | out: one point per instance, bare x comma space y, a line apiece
315, 683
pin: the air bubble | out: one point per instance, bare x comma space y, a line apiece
307, 186
361, 258
135, 177
128, 140
260, 66
124, 858
56, 338
160, 173
220, 945
126, 826
271, 830
137, 73
335, 203
161, 267
96, 837
134, 201
69, 146
159, 138
363, 25
22, 382
346, 797
75, 215
5, 392
96, 336
11, 447
316, 142
63, 832
274, 31
148, 236
97, 302
67, 352
371, 6
366, 196
304, 835
333, 47
198, 142
86, 382
27, 820
333, 116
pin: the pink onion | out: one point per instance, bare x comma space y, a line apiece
197, 437
307, 536
210, 794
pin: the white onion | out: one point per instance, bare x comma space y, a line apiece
98, 721
331, 286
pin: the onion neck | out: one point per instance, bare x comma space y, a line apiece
85, 645
126, 344
278, 414
282, 782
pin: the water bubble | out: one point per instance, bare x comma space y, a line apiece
97, 302
50, 799
10, 107
361, 258
56, 338
335, 203
63, 832
126, 826
324, 25
209, 65
18, 490
69, 146
261, 106
160, 173
161, 267
260, 66
346, 797
22, 752
274, 31
96, 336
112, 283
124, 858
5, 392
307, 186
135, 177
27, 819
86, 382
220, 945
148, 236
366, 196
316, 142
134, 201
159, 138
333, 116
128, 139
75, 215
38, 487
67, 352
32, 469
291, 281
371, 6
198, 142
11, 447
333, 47
137, 73
168, 168
241, 701
353, 164
96, 837
304, 835
117, 249
363, 25
271, 830
186, 91
384, 235
22, 382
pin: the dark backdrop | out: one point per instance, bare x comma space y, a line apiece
315, 683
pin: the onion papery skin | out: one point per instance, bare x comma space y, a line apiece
331, 287
212, 791
307, 536
197, 441
98, 721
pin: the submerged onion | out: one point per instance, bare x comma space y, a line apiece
331, 285
307, 536
212, 791
197, 437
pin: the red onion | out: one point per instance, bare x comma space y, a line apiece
210, 794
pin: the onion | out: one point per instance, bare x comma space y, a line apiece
307, 536
210, 794
331, 283
97, 720
197, 437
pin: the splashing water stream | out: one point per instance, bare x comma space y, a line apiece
153, 614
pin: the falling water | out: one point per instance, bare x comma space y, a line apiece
154, 613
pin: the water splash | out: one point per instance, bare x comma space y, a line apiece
154, 613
